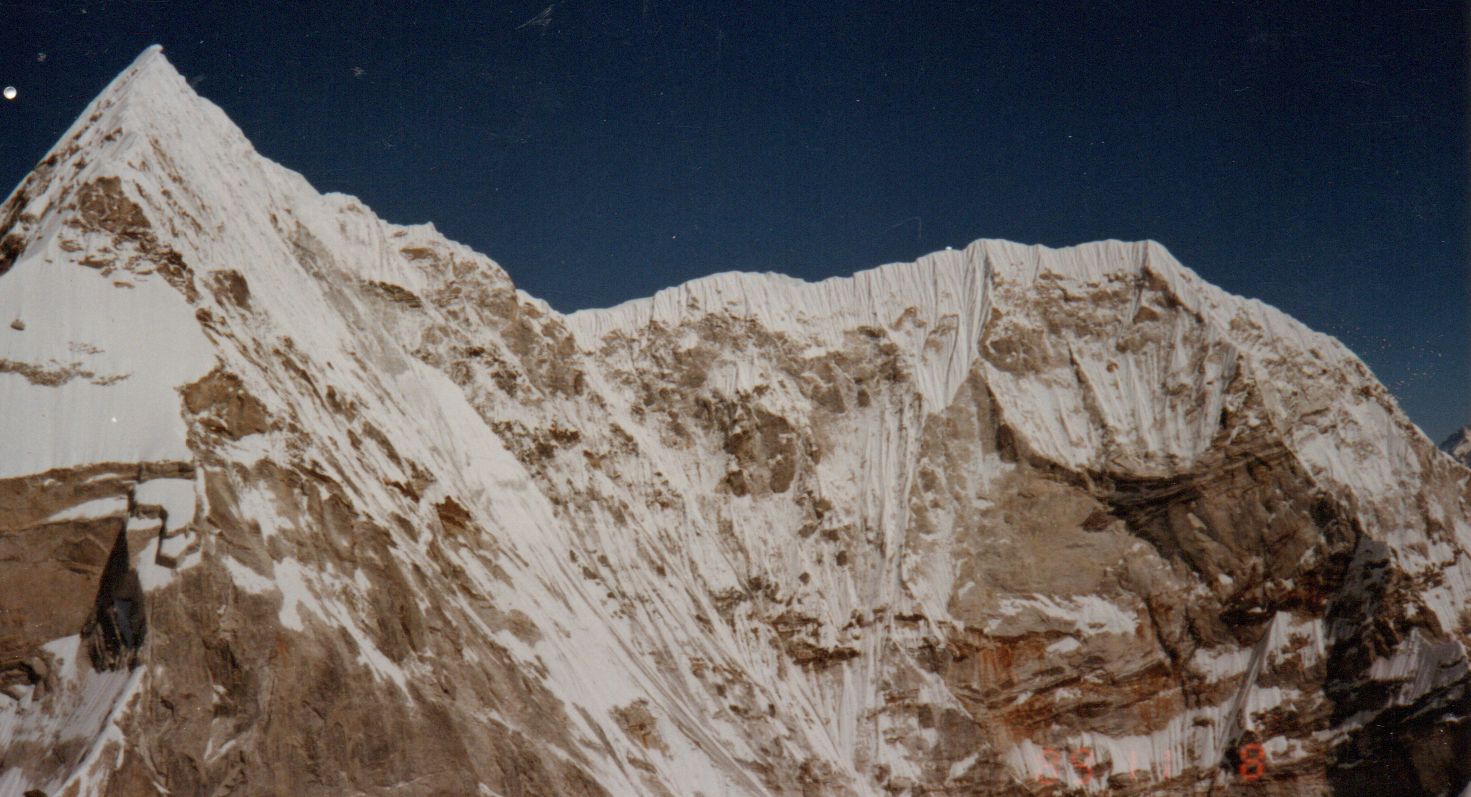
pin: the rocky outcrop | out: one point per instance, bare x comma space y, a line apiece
363, 518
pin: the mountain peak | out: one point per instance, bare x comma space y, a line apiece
150, 83
148, 112
150, 79
934, 527
1458, 445
151, 61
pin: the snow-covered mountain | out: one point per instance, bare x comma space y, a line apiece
1458, 445
297, 501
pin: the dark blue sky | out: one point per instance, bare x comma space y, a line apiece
1312, 155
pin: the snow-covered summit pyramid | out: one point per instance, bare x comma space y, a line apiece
300, 501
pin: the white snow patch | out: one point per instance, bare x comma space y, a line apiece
92, 510
1065, 645
1085, 613
176, 496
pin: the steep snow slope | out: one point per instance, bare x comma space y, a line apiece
306, 502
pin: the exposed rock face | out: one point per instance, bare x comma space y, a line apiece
297, 501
